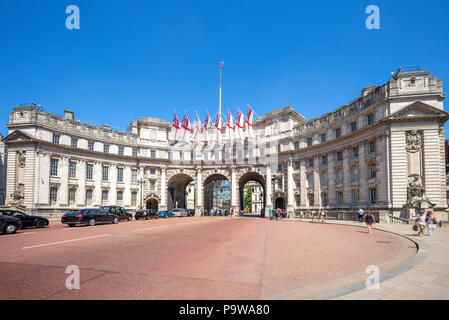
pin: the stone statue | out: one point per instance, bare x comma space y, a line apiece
415, 189
413, 141
21, 159
18, 195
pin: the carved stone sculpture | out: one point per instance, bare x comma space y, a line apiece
21, 159
413, 141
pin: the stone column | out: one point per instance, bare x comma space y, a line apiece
97, 175
112, 199
290, 186
363, 176
302, 175
346, 178
316, 182
268, 191
63, 196
163, 204
199, 193
331, 180
81, 175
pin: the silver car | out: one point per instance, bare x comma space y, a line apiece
180, 212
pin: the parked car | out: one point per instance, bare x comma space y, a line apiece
89, 217
191, 212
165, 214
119, 211
146, 214
27, 220
180, 212
9, 224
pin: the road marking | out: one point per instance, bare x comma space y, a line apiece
20, 234
59, 242
151, 228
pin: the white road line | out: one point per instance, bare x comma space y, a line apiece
53, 243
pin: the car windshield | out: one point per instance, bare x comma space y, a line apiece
87, 211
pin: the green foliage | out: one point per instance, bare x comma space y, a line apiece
248, 198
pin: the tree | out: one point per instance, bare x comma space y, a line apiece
248, 198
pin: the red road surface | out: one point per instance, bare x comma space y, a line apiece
194, 258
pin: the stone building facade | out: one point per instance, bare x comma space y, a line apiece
3, 166
383, 151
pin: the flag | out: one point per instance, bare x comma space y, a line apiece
205, 132
221, 65
175, 129
197, 129
187, 130
230, 127
249, 123
217, 130
239, 126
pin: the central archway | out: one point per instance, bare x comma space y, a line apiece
152, 204
217, 194
177, 194
257, 182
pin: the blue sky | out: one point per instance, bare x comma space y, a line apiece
147, 58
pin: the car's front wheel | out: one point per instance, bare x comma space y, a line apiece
115, 220
10, 228
91, 222
41, 224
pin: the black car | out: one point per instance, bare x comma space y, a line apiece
88, 217
118, 211
27, 220
146, 214
9, 225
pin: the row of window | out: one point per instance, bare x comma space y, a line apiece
352, 127
89, 197
355, 199
338, 176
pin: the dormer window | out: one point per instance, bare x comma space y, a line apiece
412, 81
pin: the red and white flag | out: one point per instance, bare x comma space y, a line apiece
197, 129
187, 130
175, 129
239, 123
230, 127
205, 131
249, 122
217, 130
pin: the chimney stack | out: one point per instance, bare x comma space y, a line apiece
69, 115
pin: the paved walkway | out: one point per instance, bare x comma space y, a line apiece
425, 277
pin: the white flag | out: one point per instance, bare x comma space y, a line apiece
175, 129
249, 123
206, 129
239, 124
230, 128
217, 129
186, 128
197, 129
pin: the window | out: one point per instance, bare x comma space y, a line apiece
279, 167
152, 154
104, 197
56, 138
135, 154
74, 143
323, 179
89, 171
181, 155
323, 137
152, 172
296, 145
121, 151
339, 198
88, 197
134, 175
105, 176
310, 163
354, 174
311, 199
119, 197
279, 148
355, 196
371, 147
106, 148
324, 159
280, 184
371, 171
309, 142
53, 195
72, 196
338, 133
90, 146
119, 174
372, 195
298, 183
54, 167
152, 185
355, 152
310, 181
353, 126
297, 165
133, 199
339, 156
339, 176
324, 201
370, 119
72, 170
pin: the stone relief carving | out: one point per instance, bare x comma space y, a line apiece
18, 196
21, 157
413, 141
415, 189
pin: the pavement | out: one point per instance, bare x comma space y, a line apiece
202, 258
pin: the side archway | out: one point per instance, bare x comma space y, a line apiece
176, 191
217, 192
255, 180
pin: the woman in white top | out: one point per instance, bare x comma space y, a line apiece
431, 222
421, 221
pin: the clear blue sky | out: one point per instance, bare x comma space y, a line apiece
146, 58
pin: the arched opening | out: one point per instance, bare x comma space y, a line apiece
252, 193
178, 192
152, 204
217, 194
279, 203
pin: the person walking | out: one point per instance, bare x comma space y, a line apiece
431, 222
301, 215
361, 214
370, 220
323, 216
421, 222
313, 216
271, 214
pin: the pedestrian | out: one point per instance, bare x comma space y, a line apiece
323, 216
212, 212
431, 222
370, 220
271, 214
301, 215
420, 222
202, 212
313, 216
361, 214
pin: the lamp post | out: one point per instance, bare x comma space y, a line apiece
273, 181
141, 192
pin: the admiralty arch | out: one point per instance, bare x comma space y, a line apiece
383, 151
